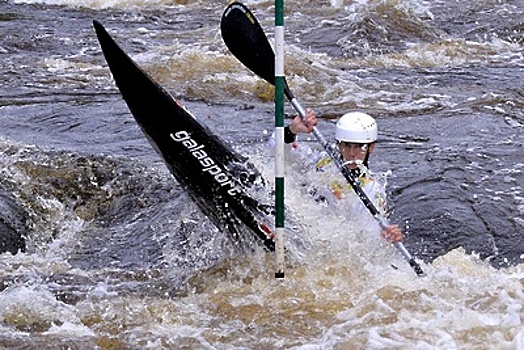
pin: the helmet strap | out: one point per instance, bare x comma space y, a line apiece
366, 159
371, 145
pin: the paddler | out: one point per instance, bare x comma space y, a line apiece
356, 135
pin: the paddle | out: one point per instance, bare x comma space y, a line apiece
247, 41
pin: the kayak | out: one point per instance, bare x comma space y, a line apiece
218, 179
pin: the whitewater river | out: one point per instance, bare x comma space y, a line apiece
118, 257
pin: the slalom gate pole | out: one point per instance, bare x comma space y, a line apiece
279, 138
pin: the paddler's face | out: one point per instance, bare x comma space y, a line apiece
354, 154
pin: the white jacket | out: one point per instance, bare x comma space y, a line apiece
330, 185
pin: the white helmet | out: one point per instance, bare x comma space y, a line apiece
356, 127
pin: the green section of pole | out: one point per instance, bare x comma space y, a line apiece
279, 13
279, 134
279, 214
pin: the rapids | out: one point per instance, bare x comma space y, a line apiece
117, 257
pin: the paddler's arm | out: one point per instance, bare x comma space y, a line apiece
300, 126
392, 233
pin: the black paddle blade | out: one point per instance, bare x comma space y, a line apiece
246, 40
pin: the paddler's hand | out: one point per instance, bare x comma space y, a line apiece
304, 126
392, 233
